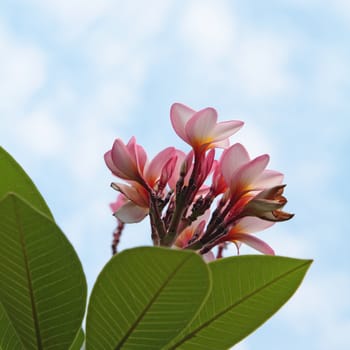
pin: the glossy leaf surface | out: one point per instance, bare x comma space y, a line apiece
144, 297
247, 290
9, 338
42, 284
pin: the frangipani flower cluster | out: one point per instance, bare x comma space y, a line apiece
193, 200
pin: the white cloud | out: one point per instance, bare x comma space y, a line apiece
286, 243
321, 308
121, 59
260, 64
331, 77
75, 16
142, 19
256, 60
22, 71
254, 139
87, 145
341, 8
314, 173
208, 28
111, 102
41, 132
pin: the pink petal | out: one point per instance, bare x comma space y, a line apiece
131, 147
141, 158
135, 193
183, 160
221, 144
111, 166
206, 166
176, 172
167, 171
124, 162
254, 242
224, 130
188, 163
121, 200
200, 127
218, 183
232, 159
130, 213
269, 178
251, 224
154, 168
246, 175
179, 116
137, 154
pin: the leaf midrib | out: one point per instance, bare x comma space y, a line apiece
151, 302
230, 307
28, 274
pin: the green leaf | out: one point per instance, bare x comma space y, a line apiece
78, 341
14, 179
144, 297
246, 291
42, 284
9, 338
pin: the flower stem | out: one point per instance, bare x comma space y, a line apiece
184, 196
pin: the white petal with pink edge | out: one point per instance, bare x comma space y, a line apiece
254, 242
131, 213
200, 127
135, 193
248, 173
226, 129
121, 200
221, 144
269, 178
251, 224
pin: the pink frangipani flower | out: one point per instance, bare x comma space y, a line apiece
201, 129
129, 162
126, 161
242, 174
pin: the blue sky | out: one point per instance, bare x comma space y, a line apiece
74, 75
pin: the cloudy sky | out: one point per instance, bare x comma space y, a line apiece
75, 74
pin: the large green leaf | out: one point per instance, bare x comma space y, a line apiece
42, 284
9, 338
14, 179
144, 297
246, 291
78, 341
